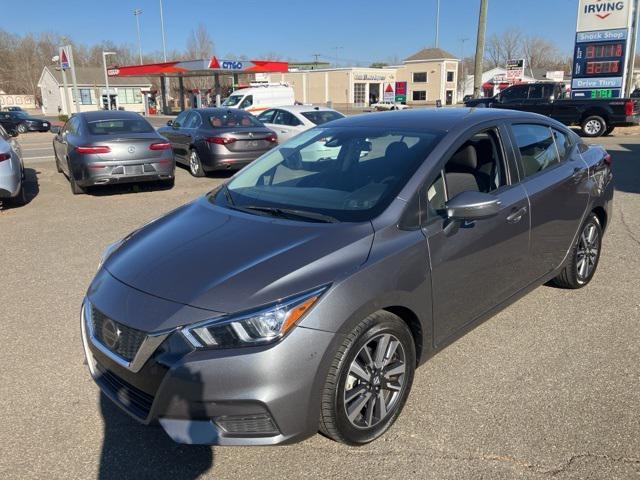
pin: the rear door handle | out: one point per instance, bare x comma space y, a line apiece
516, 216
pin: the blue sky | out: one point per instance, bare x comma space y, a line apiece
366, 30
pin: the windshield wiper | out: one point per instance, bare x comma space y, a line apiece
289, 212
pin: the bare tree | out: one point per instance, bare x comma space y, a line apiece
503, 47
539, 52
199, 43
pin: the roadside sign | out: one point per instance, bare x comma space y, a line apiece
64, 59
389, 93
515, 69
602, 46
401, 92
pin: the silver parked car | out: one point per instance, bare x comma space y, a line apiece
106, 147
302, 294
11, 170
289, 121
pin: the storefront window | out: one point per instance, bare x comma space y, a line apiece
420, 77
87, 96
419, 95
129, 95
359, 93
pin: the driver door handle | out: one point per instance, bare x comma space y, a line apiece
516, 216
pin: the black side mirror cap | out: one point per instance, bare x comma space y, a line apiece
472, 205
169, 123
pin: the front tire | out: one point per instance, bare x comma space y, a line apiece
22, 129
585, 256
593, 126
195, 164
369, 380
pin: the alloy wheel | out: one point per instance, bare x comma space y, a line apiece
194, 163
593, 127
375, 381
22, 128
587, 252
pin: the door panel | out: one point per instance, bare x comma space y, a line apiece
480, 265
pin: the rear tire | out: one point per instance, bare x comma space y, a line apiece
357, 410
195, 164
169, 184
20, 199
55, 156
75, 188
585, 256
22, 129
593, 126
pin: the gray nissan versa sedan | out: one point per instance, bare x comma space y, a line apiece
106, 147
302, 294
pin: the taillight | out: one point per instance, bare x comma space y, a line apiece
628, 108
93, 149
221, 140
607, 159
4, 156
160, 146
272, 137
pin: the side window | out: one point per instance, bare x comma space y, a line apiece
537, 148
267, 116
563, 143
518, 92
536, 91
247, 102
478, 165
436, 198
182, 118
285, 118
73, 126
192, 121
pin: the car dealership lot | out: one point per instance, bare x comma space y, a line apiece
548, 388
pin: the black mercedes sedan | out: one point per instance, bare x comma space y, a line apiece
22, 122
208, 139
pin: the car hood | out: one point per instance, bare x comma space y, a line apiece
224, 260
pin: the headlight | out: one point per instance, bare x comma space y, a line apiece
254, 328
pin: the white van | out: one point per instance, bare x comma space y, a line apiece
256, 99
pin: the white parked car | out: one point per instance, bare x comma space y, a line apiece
11, 170
388, 106
289, 121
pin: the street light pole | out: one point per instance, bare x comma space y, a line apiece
136, 13
464, 81
477, 70
437, 23
164, 80
106, 77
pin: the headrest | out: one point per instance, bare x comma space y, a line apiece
484, 150
466, 157
396, 150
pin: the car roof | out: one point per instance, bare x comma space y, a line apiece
217, 110
434, 119
106, 115
303, 108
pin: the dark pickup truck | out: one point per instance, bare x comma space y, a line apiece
595, 117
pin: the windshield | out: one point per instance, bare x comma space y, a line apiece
232, 100
350, 174
318, 117
121, 125
233, 118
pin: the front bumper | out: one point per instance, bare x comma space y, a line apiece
244, 396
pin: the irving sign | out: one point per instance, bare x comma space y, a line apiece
603, 14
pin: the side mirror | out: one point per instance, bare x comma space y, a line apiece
55, 129
169, 123
175, 124
472, 206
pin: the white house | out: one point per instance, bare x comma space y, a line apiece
124, 93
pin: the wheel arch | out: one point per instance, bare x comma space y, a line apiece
601, 213
600, 112
415, 326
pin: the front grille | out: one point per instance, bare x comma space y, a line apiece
120, 339
247, 424
137, 402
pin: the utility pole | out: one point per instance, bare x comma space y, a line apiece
106, 78
136, 13
437, 23
628, 87
165, 80
316, 56
477, 70
76, 93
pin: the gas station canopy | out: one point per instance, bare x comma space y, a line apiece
201, 67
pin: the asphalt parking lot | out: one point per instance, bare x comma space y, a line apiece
549, 388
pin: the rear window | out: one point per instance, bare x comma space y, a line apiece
318, 117
233, 119
119, 125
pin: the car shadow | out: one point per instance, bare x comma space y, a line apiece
31, 186
133, 450
626, 168
214, 174
126, 188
